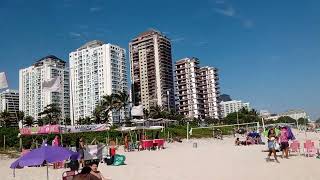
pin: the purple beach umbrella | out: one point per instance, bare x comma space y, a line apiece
44, 154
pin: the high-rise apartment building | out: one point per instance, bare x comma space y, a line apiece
96, 69
190, 103
33, 98
197, 89
151, 70
209, 90
228, 107
9, 101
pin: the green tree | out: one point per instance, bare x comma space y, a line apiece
157, 112
5, 118
318, 120
146, 113
302, 121
80, 121
67, 121
244, 116
210, 120
87, 120
29, 121
40, 122
108, 104
52, 112
122, 101
97, 114
286, 119
20, 116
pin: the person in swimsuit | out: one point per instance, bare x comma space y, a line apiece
271, 144
284, 142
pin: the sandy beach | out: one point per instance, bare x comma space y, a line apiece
212, 159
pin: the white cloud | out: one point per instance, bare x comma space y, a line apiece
201, 43
74, 34
247, 23
219, 1
179, 39
95, 9
229, 11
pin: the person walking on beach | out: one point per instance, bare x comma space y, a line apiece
272, 144
284, 142
80, 146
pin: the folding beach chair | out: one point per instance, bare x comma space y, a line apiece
309, 148
294, 147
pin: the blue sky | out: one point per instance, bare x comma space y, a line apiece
268, 52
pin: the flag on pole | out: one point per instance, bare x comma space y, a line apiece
3, 80
52, 85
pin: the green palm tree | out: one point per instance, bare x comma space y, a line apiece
52, 112
5, 117
157, 112
29, 121
146, 113
97, 113
20, 116
108, 104
87, 120
122, 101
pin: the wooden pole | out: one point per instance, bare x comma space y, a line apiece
20, 144
61, 139
4, 142
187, 131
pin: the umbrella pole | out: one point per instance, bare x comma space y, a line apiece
47, 171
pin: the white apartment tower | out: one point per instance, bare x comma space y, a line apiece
197, 89
190, 103
9, 101
33, 97
96, 69
228, 107
209, 90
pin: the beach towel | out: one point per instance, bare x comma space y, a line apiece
119, 160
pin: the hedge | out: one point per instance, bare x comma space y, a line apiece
180, 131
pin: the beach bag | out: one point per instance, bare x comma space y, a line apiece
119, 160
109, 160
276, 146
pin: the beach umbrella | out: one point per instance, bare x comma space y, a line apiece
44, 154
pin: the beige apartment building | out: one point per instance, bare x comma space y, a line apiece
151, 70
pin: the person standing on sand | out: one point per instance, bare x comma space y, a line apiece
284, 142
126, 143
271, 144
56, 141
80, 146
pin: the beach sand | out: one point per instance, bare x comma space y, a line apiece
212, 159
